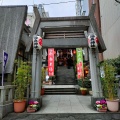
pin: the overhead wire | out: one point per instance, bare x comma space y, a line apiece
53, 3
59, 3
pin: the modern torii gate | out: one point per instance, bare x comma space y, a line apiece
80, 24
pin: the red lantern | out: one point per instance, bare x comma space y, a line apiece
54, 52
74, 51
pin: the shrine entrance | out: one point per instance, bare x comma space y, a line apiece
68, 33
65, 74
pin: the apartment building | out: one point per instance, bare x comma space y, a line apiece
110, 27
107, 16
82, 7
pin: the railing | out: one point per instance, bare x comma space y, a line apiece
6, 94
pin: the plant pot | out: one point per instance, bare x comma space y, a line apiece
113, 105
102, 110
19, 106
42, 91
83, 92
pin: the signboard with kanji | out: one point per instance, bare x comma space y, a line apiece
5, 59
51, 61
80, 71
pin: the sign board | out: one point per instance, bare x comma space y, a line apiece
5, 59
51, 61
80, 71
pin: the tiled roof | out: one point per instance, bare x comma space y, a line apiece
12, 19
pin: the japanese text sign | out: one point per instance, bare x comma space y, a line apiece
79, 66
51, 61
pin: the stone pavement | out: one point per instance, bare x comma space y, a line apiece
65, 107
61, 116
66, 104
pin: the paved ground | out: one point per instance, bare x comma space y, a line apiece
65, 107
68, 116
66, 104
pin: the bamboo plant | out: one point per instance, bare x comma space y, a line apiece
109, 82
23, 78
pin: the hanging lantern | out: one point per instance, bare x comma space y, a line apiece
37, 42
54, 52
92, 41
74, 51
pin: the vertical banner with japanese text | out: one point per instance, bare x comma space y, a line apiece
80, 72
51, 61
5, 59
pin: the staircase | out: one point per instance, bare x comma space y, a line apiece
65, 76
60, 89
64, 84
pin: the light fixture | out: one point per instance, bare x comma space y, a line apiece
54, 52
74, 51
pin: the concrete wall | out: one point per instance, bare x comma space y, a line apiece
110, 27
6, 109
30, 19
11, 26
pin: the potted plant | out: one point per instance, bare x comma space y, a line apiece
23, 78
110, 85
101, 105
83, 89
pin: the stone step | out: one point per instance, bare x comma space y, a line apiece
60, 91
57, 93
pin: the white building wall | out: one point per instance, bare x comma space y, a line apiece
110, 27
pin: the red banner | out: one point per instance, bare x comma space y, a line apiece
80, 72
51, 61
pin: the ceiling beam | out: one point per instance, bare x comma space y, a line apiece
65, 43
73, 28
61, 24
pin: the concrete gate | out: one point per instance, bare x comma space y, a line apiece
66, 32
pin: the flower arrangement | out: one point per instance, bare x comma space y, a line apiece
33, 106
101, 105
